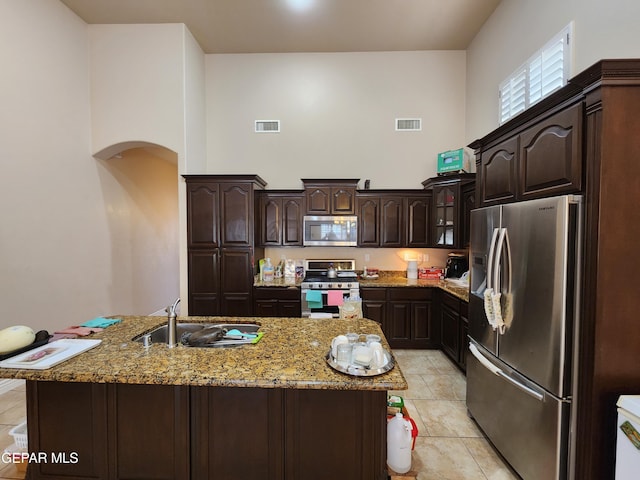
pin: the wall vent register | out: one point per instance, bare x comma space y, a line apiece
408, 124
267, 126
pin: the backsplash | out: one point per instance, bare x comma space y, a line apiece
382, 258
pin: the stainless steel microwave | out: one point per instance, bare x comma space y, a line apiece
330, 230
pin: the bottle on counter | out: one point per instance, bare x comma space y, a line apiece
267, 271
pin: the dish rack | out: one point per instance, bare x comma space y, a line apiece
19, 434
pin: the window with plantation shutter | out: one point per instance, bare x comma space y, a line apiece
513, 94
545, 72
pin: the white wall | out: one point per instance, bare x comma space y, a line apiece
79, 237
137, 85
337, 113
519, 28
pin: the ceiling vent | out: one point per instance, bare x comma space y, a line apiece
408, 124
267, 126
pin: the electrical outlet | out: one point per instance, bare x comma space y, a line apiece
425, 257
367, 257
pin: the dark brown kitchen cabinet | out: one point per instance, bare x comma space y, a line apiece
114, 430
236, 278
545, 159
391, 221
221, 243
330, 196
393, 218
204, 281
405, 314
409, 319
498, 173
447, 228
584, 139
464, 333
380, 220
277, 302
418, 221
453, 328
252, 421
166, 432
467, 204
368, 210
374, 304
286, 431
203, 220
550, 160
280, 218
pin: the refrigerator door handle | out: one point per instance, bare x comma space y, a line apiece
497, 284
490, 260
483, 360
497, 371
489, 291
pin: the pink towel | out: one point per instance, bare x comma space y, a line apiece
335, 298
81, 331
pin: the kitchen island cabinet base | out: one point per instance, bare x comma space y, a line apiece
118, 431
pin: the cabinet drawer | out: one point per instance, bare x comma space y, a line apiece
410, 293
450, 301
277, 293
373, 293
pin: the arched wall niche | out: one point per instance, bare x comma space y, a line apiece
140, 184
153, 148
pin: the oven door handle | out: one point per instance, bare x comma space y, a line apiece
344, 290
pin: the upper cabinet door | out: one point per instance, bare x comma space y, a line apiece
498, 173
550, 160
270, 220
368, 221
343, 201
418, 224
319, 201
391, 222
280, 220
202, 220
292, 215
236, 215
330, 196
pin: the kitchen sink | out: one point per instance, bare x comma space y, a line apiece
160, 333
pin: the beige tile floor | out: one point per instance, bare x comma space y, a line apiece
449, 445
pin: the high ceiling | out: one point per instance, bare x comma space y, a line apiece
277, 26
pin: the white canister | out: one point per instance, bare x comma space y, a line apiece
399, 444
412, 269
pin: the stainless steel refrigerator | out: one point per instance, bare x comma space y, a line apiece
525, 269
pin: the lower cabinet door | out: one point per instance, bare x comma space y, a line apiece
149, 431
335, 434
237, 433
114, 431
68, 427
450, 333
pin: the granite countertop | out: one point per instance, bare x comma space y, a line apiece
386, 279
402, 281
291, 354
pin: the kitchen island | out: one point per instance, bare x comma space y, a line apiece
272, 410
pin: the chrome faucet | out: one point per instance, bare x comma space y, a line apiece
172, 341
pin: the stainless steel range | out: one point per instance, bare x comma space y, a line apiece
325, 285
